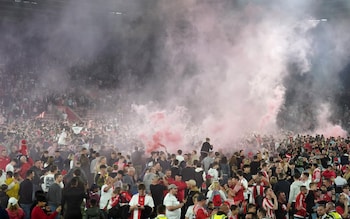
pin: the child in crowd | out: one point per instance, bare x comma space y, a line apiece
161, 212
93, 212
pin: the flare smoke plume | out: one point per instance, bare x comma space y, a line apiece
192, 69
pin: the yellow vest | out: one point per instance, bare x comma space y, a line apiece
222, 216
161, 217
335, 215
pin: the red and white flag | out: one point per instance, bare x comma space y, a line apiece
40, 116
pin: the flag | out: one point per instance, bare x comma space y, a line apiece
40, 116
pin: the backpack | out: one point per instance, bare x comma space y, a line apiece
216, 198
94, 213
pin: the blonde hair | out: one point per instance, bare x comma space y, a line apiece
214, 185
12, 207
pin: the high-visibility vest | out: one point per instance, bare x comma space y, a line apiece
161, 217
335, 215
216, 216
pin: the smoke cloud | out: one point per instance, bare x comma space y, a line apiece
188, 69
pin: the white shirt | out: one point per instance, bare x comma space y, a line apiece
214, 173
244, 183
171, 200
340, 181
105, 196
62, 138
135, 201
307, 183
180, 158
210, 194
189, 213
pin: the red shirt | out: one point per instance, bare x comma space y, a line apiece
16, 214
300, 205
39, 213
239, 196
24, 168
181, 186
329, 174
3, 162
340, 209
200, 212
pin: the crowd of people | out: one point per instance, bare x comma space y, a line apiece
57, 168
51, 170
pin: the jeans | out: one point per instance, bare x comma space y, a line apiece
53, 209
26, 209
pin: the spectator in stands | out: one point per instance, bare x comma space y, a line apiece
38, 171
12, 185
342, 206
26, 193
281, 211
25, 166
330, 208
58, 160
106, 194
4, 159
39, 213
13, 209
72, 198
49, 178
141, 204
129, 179
294, 191
300, 203
270, 203
54, 193
172, 204
206, 148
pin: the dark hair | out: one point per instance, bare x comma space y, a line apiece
93, 202
57, 175
233, 207
29, 172
74, 182
161, 209
77, 172
251, 205
10, 173
223, 160
297, 175
41, 198
141, 186
179, 152
262, 211
53, 168
307, 174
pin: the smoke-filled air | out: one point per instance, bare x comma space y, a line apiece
189, 69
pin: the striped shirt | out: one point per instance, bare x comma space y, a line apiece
268, 205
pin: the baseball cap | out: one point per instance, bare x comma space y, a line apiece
172, 186
12, 201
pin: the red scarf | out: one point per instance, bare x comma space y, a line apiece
141, 203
